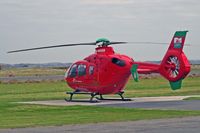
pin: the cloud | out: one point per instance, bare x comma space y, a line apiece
107, 2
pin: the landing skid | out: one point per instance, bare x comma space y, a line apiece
114, 99
93, 95
81, 93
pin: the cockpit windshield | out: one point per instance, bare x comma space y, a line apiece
81, 70
78, 70
72, 72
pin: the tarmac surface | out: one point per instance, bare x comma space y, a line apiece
165, 102
169, 105
175, 125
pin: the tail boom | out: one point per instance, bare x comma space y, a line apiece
147, 68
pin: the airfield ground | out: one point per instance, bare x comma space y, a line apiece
13, 114
173, 125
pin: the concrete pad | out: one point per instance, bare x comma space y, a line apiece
107, 102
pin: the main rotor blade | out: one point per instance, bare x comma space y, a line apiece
64, 45
92, 43
55, 46
111, 43
148, 42
157, 43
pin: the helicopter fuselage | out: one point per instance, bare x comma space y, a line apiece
103, 72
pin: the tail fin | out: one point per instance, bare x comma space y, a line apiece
175, 65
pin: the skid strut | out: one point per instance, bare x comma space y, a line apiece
94, 95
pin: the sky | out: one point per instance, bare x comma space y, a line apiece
36, 23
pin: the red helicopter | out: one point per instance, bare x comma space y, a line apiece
106, 72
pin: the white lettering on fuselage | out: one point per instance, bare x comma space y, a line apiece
101, 50
76, 81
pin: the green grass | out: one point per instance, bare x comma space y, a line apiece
33, 91
56, 90
14, 115
161, 87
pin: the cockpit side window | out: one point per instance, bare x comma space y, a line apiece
118, 62
91, 70
81, 70
72, 71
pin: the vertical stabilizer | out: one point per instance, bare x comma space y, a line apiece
175, 65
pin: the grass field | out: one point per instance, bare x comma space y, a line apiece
18, 115
56, 90
13, 115
31, 72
